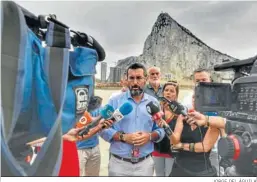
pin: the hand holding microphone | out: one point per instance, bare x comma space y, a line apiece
175, 107
179, 109
117, 115
154, 110
105, 113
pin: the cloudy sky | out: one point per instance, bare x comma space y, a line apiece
121, 27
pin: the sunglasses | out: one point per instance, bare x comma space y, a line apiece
172, 82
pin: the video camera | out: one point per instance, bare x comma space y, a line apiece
38, 24
237, 102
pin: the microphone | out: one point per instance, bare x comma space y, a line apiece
119, 114
116, 116
154, 110
84, 120
176, 107
106, 112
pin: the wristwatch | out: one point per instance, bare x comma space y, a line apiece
121, 137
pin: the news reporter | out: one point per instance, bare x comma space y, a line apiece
163, 160
194, 145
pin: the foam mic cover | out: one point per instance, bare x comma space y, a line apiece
119, 114
175, 107
106, 112
154, 110
126, 108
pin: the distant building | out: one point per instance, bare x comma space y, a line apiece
115, 74
103, 71
111, 76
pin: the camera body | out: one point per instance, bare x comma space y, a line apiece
237, 102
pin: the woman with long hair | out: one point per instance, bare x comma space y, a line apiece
163, 160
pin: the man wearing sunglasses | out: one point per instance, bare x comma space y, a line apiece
154, 86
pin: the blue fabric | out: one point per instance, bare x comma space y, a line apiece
93, 141
80, 88
45, 106
137, 120
83, 61
35, 89
211, 113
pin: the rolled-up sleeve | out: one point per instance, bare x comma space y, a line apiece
160, 131
108, 134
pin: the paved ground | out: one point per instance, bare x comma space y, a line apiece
104, 148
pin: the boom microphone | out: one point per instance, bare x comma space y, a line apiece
106, 112
153, 109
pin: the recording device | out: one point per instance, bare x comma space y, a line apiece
116, 116
106, 112
237, 102
175, 107
154, 110
38, 23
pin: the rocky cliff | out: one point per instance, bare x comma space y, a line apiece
175, 50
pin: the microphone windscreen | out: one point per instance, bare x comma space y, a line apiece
177, 108
152, 108
126, 108
107, 111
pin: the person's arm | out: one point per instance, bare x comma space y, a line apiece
209, 141
157, 133
176, 135
110, 133
202, 120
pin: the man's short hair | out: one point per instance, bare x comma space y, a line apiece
199, 70
137, 66
154, 67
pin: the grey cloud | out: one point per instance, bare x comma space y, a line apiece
122, 27
226, 26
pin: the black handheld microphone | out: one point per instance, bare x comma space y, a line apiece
157, 114
175, 107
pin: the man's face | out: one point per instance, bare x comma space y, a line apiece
202, 77
136, 81
123, 82
154, 76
